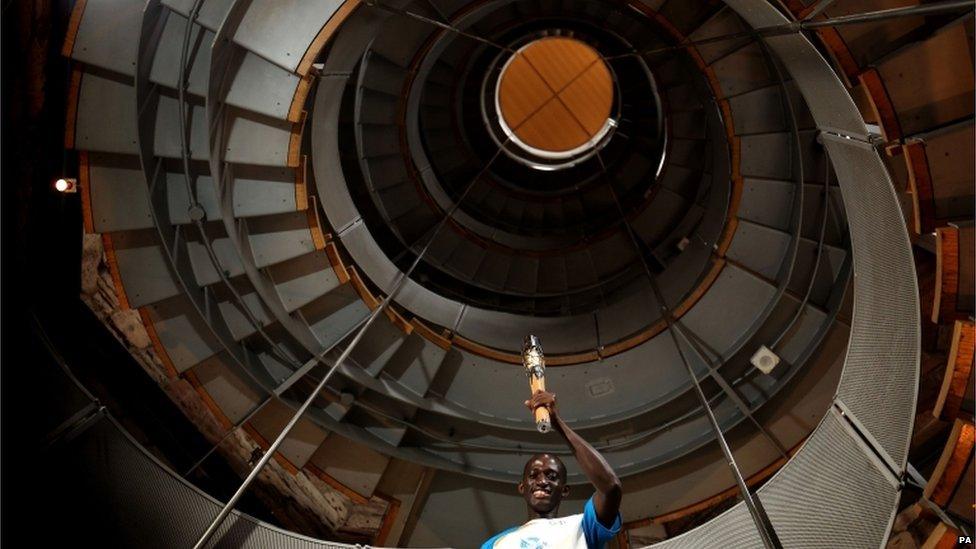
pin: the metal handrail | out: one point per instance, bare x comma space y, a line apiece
816, 266
173, 244
197, 213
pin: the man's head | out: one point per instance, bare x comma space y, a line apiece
543, 484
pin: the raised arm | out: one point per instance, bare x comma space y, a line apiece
606, 501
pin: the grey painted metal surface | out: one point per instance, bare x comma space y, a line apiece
336, 201
279, 237
106, 117
262, 87
233, 133
182, 332
761, 249
258, 85
108, 35
725, 22
743, 70
759, 199
209, 320
178, 197
252, 138
166, 63
167, 141
282, 31
143, 268
330, 316
119, 199
204, 270
359, 230
212, 12
303, 279
260, 191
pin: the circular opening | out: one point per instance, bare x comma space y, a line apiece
554, 97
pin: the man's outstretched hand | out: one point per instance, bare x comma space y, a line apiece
542, 399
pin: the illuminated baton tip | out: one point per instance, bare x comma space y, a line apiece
535, 367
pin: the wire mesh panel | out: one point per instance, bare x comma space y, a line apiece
733, 528
880, 378
116, 493
831, 495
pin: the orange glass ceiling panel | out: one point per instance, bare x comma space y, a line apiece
555, 94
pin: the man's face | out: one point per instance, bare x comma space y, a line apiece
543, 484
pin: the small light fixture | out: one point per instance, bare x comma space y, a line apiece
66, 185
765, 359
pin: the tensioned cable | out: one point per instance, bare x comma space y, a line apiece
798, 26
765, 528
398, 285
275, 394
429, 21
727, 388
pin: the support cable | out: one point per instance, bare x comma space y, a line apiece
429, 21
821, 5
398, 285
727, 388
276, 394
765, 528
946, 6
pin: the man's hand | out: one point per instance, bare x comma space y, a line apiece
542, 399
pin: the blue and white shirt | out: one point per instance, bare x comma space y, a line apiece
582, 531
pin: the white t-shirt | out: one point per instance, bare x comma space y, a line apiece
582, 531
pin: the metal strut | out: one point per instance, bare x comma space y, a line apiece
278, 391
936, 8
766, 531
429, 21
759, 516
401, 280
197, 213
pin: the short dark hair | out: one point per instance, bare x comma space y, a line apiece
554, 457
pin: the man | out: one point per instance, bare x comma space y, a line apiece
544, 486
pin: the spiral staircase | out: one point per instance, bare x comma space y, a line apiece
262, 174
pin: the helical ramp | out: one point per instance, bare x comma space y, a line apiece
263, 174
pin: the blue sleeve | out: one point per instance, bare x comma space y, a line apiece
491, 541
597, 534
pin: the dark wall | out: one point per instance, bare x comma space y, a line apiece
43, 316
34, 80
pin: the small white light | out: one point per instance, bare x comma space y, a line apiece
66, 185
764, 359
